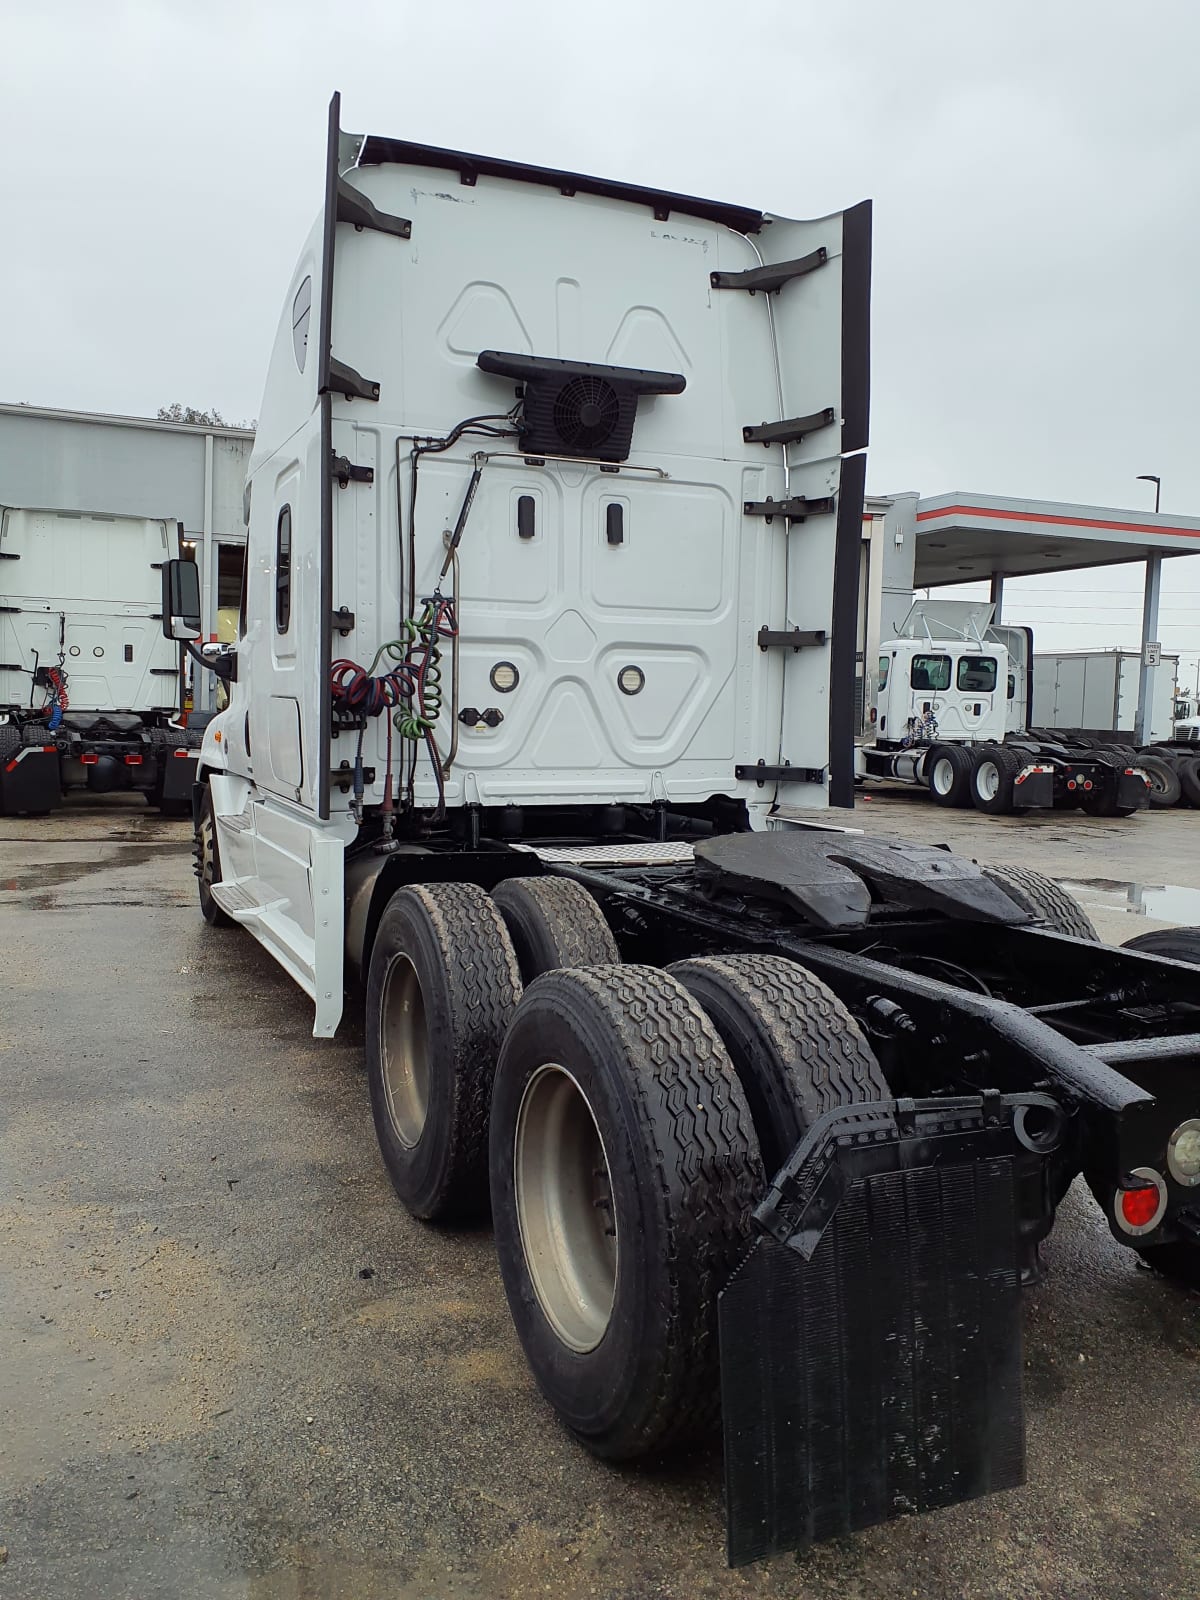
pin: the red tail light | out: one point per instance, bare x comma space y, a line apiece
89, 759
133, 761
1139, 1205
183, 753
1139, 1210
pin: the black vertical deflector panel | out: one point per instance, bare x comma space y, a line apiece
326, 551
856, 327
856, 413
843, 642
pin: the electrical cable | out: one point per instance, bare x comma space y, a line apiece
409, 693
427, 444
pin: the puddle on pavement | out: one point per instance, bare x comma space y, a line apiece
1165, 902
52, 874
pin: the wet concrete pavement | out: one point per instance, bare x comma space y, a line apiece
230, 1366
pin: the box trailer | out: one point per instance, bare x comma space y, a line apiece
545, 681
90, 691
1095, 692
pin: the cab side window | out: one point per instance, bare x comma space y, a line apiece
883, 671
283, 570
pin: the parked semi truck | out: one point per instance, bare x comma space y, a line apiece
90, 693
951, 715
545, 685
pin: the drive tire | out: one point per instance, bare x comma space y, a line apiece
554, 923
441, 987
993, 780
1165, 787
797, 1050
1189, 779
1105, 804
653, 1116
1177, 944
948, 769
207, 854
1044, 899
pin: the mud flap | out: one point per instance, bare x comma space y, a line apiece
30, 780
178, 773
871, 1344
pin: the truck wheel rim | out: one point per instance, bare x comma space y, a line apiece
987, 780
405, 1047
943, 776
207, 873
565, 1208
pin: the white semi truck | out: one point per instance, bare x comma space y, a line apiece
545, 681
91, 695
951, 715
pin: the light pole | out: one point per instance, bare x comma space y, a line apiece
1148, 477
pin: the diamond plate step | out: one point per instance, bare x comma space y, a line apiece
245, 898
612, 855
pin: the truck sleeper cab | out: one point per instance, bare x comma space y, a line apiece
547, 674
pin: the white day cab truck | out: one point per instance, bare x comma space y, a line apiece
91, 696
521, 754
951, 715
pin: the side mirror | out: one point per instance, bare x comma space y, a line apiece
219, 658
180, 600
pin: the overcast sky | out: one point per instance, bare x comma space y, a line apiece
1034, 167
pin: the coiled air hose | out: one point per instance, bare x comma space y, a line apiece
410, 692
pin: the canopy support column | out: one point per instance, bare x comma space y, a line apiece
1146, 676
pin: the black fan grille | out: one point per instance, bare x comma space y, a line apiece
586, 411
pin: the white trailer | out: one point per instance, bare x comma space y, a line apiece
1095, 692
90, 691
545, 679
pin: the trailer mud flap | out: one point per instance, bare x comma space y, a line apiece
871, 1344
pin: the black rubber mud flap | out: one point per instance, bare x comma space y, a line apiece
871, 1349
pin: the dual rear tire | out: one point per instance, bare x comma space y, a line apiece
994, 778
948, 772
446, 972
984, 776
622, 1119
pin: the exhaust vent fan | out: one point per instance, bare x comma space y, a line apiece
578, 408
